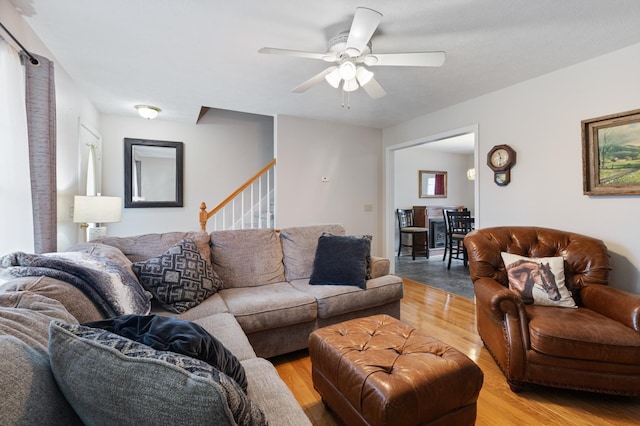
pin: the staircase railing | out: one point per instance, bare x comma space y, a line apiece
252, 205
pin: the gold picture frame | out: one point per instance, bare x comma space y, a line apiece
432, 184
611, 154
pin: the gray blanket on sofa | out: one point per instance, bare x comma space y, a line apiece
108, 285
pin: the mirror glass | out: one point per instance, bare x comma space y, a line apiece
152, 173
432, 184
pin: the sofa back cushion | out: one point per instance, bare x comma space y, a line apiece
143, 247
299, 248
247, 257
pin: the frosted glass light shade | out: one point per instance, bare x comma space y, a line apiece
363, 75
147, 111
96, 209
350, 85
333, 78
347, 70
471, 174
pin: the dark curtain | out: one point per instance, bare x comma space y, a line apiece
41, 124
439, 189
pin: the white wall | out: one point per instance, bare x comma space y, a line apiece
221, 152
72, 106
350, 156
541, 119
409, 161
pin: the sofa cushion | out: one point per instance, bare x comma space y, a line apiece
180, 278
176, 335
30, 395
335, 300
225, 328
143, 247
538, 281
341, 260
247, 257
269, 306
109, 379
272, 394
299, 248
584, 334
210, 306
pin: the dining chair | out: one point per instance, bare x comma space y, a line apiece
406, 229
459, 224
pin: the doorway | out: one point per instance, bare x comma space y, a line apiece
461, 141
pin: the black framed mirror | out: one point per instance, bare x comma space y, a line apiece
152, 173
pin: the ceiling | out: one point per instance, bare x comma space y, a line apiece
183, 55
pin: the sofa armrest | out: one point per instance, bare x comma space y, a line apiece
379, 266
619, 305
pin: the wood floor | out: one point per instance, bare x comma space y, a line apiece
451, 318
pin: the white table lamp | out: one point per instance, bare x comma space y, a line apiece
96, 210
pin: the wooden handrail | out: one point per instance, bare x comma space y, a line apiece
205, 216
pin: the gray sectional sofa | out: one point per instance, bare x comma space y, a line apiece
262, 305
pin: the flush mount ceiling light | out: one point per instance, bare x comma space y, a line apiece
147, 111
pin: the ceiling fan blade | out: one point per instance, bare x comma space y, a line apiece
374, 90
298, 53
420, 59
365, 22
318, 78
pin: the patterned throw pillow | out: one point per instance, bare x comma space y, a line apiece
538, 281
341, 260
180, 278
109, 379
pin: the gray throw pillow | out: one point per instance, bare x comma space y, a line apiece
180, 278
341, 260
111, 380
179, 336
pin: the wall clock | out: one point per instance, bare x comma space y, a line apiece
500, 159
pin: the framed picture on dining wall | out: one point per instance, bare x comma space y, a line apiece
432, 184
611, 154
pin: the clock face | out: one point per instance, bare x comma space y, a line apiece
500, 157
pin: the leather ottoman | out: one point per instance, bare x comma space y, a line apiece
380, 371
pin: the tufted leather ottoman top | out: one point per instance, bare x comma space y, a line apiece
380, 371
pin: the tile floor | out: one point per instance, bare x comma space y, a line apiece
434, 272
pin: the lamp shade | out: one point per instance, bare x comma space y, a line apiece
96, 209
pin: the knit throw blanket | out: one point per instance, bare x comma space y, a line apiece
108, 285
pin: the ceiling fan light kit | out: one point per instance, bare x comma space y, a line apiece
352, 49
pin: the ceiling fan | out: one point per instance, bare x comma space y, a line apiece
350, 51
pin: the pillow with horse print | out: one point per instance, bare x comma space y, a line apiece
538, 281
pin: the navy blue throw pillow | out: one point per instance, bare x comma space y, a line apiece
179, 336
341, 260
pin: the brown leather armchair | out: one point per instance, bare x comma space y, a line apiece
595, 347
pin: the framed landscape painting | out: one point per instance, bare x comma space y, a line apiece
611, 154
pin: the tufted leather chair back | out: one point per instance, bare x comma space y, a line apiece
586, 259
